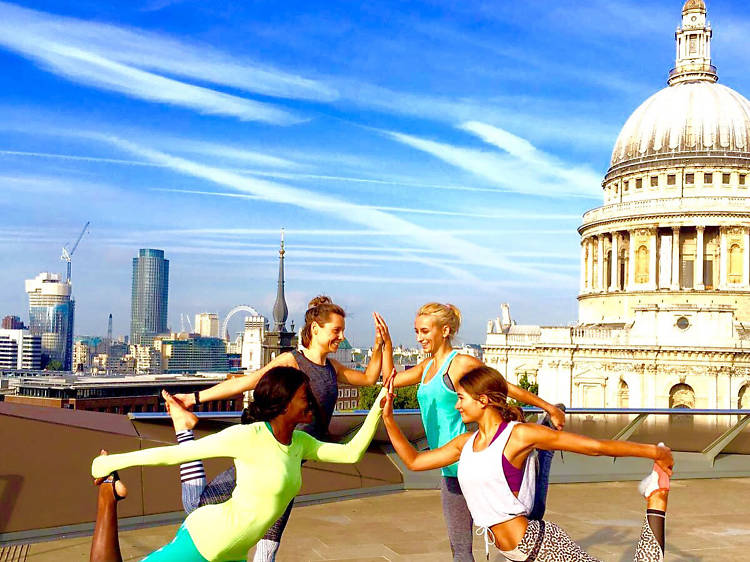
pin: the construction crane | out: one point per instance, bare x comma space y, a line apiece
68, 254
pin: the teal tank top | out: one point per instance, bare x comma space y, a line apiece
437, 404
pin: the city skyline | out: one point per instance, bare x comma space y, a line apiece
442, 153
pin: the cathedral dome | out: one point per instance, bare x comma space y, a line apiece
690, 117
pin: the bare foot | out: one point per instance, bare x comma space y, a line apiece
113, 488
182, 418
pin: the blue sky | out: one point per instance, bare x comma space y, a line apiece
413, 151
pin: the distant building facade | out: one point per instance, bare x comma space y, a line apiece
20, 350
51, 315
150, 296
115, 394
207, 324
348, 398
252, 342
142, 360
82, 353
13, 323
190, 353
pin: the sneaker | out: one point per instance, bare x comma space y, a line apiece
657, 480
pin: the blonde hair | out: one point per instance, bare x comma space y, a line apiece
319, 310
444, 315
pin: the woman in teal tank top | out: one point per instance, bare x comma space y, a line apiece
435, 326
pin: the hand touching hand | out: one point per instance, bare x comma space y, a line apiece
382, 334
387, 402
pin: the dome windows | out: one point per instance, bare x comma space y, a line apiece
726, 178
654, 181
671, 179
690, 178
708, 178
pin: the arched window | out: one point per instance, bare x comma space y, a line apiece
743, 401
735, 264
623, 395
682, 396
641, 265
608, 269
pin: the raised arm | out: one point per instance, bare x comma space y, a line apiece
410, 376
464, 363
350, 452
372, 372
238, 385
222, 444
416, 460
530, 435
556, 414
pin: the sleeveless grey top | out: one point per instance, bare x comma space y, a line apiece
325, 389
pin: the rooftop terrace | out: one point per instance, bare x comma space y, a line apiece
605, 518
375, 510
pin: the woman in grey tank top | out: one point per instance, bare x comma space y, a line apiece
321, 335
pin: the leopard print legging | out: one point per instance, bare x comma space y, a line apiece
556, 546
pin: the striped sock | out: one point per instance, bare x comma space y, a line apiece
192, 470
265, 551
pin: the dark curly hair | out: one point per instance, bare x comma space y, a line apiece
274, 391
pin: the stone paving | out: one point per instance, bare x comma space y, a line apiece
708, 520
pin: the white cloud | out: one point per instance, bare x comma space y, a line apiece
506, 215
521, 168
122, 60
470, 253
571, 129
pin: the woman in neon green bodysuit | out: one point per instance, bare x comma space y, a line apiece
268, 456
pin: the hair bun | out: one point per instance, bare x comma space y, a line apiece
320, 299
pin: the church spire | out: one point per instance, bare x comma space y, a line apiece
280, 310
693, 38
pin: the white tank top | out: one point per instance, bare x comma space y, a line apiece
483, 483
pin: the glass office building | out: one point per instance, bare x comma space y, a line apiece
148, 311
51, 315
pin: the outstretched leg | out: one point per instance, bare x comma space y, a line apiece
193, 473
457, 519
655, 487
268, 546
542, 475
105, 545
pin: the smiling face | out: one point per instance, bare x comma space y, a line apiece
470, 408
298, 410
329, 334
430, 335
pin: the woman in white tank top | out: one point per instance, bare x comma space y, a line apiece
492, 460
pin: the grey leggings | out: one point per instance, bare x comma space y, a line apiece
457, 519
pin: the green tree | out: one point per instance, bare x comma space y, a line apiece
526, 384
54, 365
405, 399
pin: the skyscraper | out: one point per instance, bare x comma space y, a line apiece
51, 311
148, 310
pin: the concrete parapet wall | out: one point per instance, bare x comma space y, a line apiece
46, 456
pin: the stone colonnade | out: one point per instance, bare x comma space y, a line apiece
699, 258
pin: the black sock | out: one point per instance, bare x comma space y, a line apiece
656, 520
